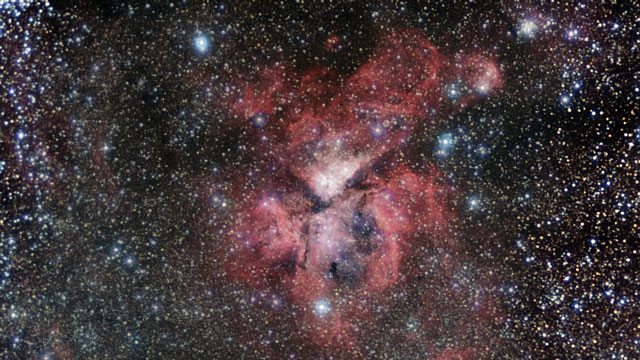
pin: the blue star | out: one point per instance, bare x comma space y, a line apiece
20, 135
202, 44
321, 307
445, 144
377, 130
474, 203
129, 261
259, 120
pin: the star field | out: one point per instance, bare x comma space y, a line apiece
319, 180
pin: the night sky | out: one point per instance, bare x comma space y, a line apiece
319, 180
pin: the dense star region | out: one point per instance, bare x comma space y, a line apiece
319, 180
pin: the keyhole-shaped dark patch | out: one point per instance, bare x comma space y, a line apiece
333, 270
346, 271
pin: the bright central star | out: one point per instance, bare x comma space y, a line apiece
201, 44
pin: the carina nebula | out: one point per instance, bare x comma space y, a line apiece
344, 207
319, 180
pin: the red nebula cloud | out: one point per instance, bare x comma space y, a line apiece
345, 209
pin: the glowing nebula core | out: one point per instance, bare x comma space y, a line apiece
344, 206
